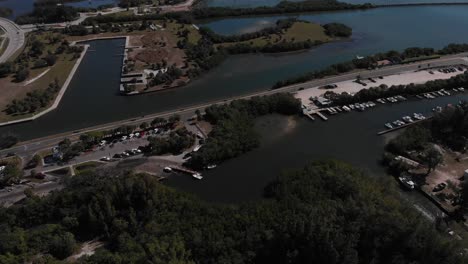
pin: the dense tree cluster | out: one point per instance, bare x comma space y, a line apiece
204, 55
368, 62
173, 73
7, 141
6, 68
131, 3
34, 100
281, 25
217, 12
272, 48
175, 143
327, 212
337, 30
48, 13
233, 132
10, 174
283, 7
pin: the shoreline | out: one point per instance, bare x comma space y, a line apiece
66, 83
57, 99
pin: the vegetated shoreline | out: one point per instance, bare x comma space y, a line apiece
309, 209
370, 62
57, 100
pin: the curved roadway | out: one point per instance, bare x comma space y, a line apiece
15, 37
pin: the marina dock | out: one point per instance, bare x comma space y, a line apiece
183, 170
322, 116
402, 126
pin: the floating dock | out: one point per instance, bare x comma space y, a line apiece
183, 170
321, 116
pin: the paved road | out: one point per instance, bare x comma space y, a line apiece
15, 36
28, 148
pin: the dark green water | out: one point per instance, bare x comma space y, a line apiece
289, 143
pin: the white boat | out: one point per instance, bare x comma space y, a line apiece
167, 169
347, 109
407, 119
196, 148
210, 167
197, 176
407, 182
388, 125
461, 89
437, 109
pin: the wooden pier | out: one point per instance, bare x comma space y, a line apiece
183, 170
322, 116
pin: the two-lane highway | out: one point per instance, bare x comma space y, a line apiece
15, 37
30, 147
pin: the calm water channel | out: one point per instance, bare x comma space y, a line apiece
21, 7
255, 3
92, 97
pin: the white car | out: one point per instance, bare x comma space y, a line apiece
136, 151
105, 158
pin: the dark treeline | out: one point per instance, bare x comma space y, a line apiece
383, 91
48, 13
272, 48
281, 25
218, 12
370, 62
203, 54
131, 3
283, 7
327, 213
337, 30
174, 144
233, 132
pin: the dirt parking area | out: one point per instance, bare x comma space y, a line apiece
156, 47
451, 175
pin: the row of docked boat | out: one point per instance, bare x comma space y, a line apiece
393, 99
405, 120
363, 106
439, 93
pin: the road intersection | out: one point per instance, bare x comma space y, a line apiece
15, 36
